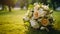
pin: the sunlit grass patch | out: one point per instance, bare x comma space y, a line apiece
12, 29
57, 18
12, 23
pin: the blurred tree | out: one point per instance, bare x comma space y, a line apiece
25, 3
54, 4
21, 3
34, 1
1, 2
40, 1
45, 2
29, 1
9, 3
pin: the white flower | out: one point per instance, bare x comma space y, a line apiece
45, 7
42, 28
34, 24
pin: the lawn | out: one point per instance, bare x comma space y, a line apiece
12, 23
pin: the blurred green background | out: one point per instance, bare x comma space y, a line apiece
12, 11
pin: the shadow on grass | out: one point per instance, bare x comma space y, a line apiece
54, 32
34, 31
57, 10
5, 12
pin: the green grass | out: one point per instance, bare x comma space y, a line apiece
12, 23
57, 18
